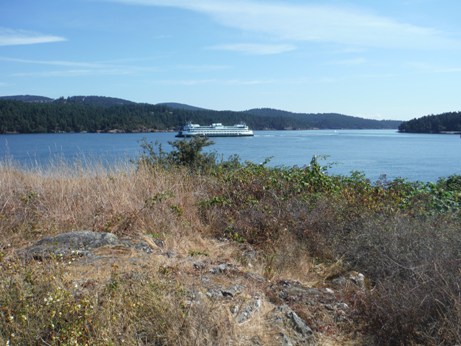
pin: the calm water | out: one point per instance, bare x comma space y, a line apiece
374, 152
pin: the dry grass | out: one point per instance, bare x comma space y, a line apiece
124, 201
122, 298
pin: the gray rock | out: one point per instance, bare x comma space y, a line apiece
293, 327
285, 340
249, 310
77, 243
358, 279
221, 268
219, 292
137, 245
232, 291
170, 254
199, 265
299, 324
339, 281
214, 293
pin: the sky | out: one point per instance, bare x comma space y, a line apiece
379, 59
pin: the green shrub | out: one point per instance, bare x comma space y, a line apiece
185, 152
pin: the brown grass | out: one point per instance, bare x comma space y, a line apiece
123, 298
123, 201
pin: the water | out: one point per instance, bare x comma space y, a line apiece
374, 152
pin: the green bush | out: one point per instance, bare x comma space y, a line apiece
185, 153
404, 236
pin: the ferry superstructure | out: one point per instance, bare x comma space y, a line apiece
215, 130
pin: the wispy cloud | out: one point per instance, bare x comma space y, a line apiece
194, 82
432, 68
52, 62
202, 68
349, 62
74, 73
256, 49
77, 68
314, 23
12, 37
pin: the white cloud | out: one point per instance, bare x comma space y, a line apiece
432, 68
77, 68
256, 49
350, 62
202, 68
53, 62
11, 37
74, 73
317, 23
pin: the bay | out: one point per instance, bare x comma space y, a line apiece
423, 157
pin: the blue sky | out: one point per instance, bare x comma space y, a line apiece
392, 59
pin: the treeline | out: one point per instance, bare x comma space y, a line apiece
102, 114
442, 123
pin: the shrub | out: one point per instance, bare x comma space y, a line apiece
404, 236
185, 152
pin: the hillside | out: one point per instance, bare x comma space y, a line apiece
176, 105
27, 98
103, 114
441, 123
326, 120
95, 101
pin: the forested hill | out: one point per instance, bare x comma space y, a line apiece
323, 120
441, 123
34, 114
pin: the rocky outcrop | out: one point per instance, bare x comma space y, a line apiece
291, 312
76, 244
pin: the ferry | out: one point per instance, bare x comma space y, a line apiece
214, 130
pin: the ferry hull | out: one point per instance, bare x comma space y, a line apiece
188, 135
215, 130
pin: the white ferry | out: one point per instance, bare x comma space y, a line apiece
214, 130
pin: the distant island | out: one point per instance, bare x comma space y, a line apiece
38, 114
442, 123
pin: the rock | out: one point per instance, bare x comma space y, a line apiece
294, 330
293, 291
339, 281
198, 265
285, 340
170, 254
329, 291
77, 243
342, 306
222, 268
299, 324
358, 279
232, 291
255, 277
249, 310
214, 293
142, 246
159, 242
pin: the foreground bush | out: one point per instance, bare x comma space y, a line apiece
403, 236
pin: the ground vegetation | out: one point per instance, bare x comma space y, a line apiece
231, 253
